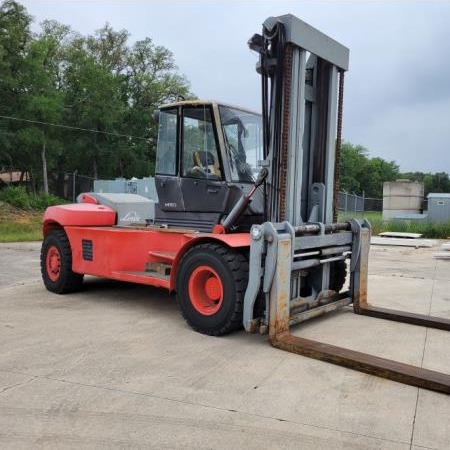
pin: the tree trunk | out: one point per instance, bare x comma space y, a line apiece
44, 168
32, 182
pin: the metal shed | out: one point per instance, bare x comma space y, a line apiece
438, 207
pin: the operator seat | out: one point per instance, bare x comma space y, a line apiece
205, 165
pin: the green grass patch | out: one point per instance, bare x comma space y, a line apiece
19, 225
427, 229
21, 214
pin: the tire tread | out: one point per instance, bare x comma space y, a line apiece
238, 264
69, 281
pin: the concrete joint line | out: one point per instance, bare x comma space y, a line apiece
202, 405
423, 357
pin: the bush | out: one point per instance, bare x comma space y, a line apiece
18, 197
42, 201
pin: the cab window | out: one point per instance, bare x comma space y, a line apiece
199, 155
166, 154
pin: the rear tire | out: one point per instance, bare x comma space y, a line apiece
56, 264
211, 284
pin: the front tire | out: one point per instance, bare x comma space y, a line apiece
211, 284
56, 264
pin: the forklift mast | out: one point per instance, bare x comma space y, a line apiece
298, 257
301, 71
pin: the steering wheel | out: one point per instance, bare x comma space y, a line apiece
198, 172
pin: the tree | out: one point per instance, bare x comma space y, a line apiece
151, 80
353, 162
359, 173
98, 84
15, 36
437, 182
44, 101
377, 172
94, 95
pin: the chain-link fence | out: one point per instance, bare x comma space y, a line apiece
68, 185
348, 202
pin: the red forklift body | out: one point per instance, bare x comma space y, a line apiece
130, 249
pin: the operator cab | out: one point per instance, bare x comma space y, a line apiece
207, 158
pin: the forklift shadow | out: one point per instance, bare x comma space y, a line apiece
132, 295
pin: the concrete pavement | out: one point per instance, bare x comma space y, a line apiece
115, 366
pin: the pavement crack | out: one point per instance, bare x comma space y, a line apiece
23, 383
20, 283
212, 407
423, 357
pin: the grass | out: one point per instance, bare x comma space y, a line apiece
18, 225
22, 225
373, 217
21, 214
427, 229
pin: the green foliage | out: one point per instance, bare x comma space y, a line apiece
15, 196
359, 173
103, 83
353, 164
18, 197
437, 182
42, 201
97, 82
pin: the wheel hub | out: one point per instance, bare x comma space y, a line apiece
53, 263
205, 290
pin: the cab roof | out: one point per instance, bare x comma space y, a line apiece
206, 103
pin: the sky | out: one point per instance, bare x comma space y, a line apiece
397, 91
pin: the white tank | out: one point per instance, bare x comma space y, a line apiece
402, 197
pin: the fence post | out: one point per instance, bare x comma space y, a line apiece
74, 184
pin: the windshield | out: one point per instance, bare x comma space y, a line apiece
242, 132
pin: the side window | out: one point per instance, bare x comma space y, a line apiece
200, 158
166, 154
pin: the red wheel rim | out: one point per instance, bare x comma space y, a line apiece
53, 263
205, 290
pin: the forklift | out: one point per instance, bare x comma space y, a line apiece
245, 228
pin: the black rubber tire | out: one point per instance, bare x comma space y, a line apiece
338, 274
232, 268
67, 281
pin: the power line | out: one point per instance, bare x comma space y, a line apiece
73, 128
